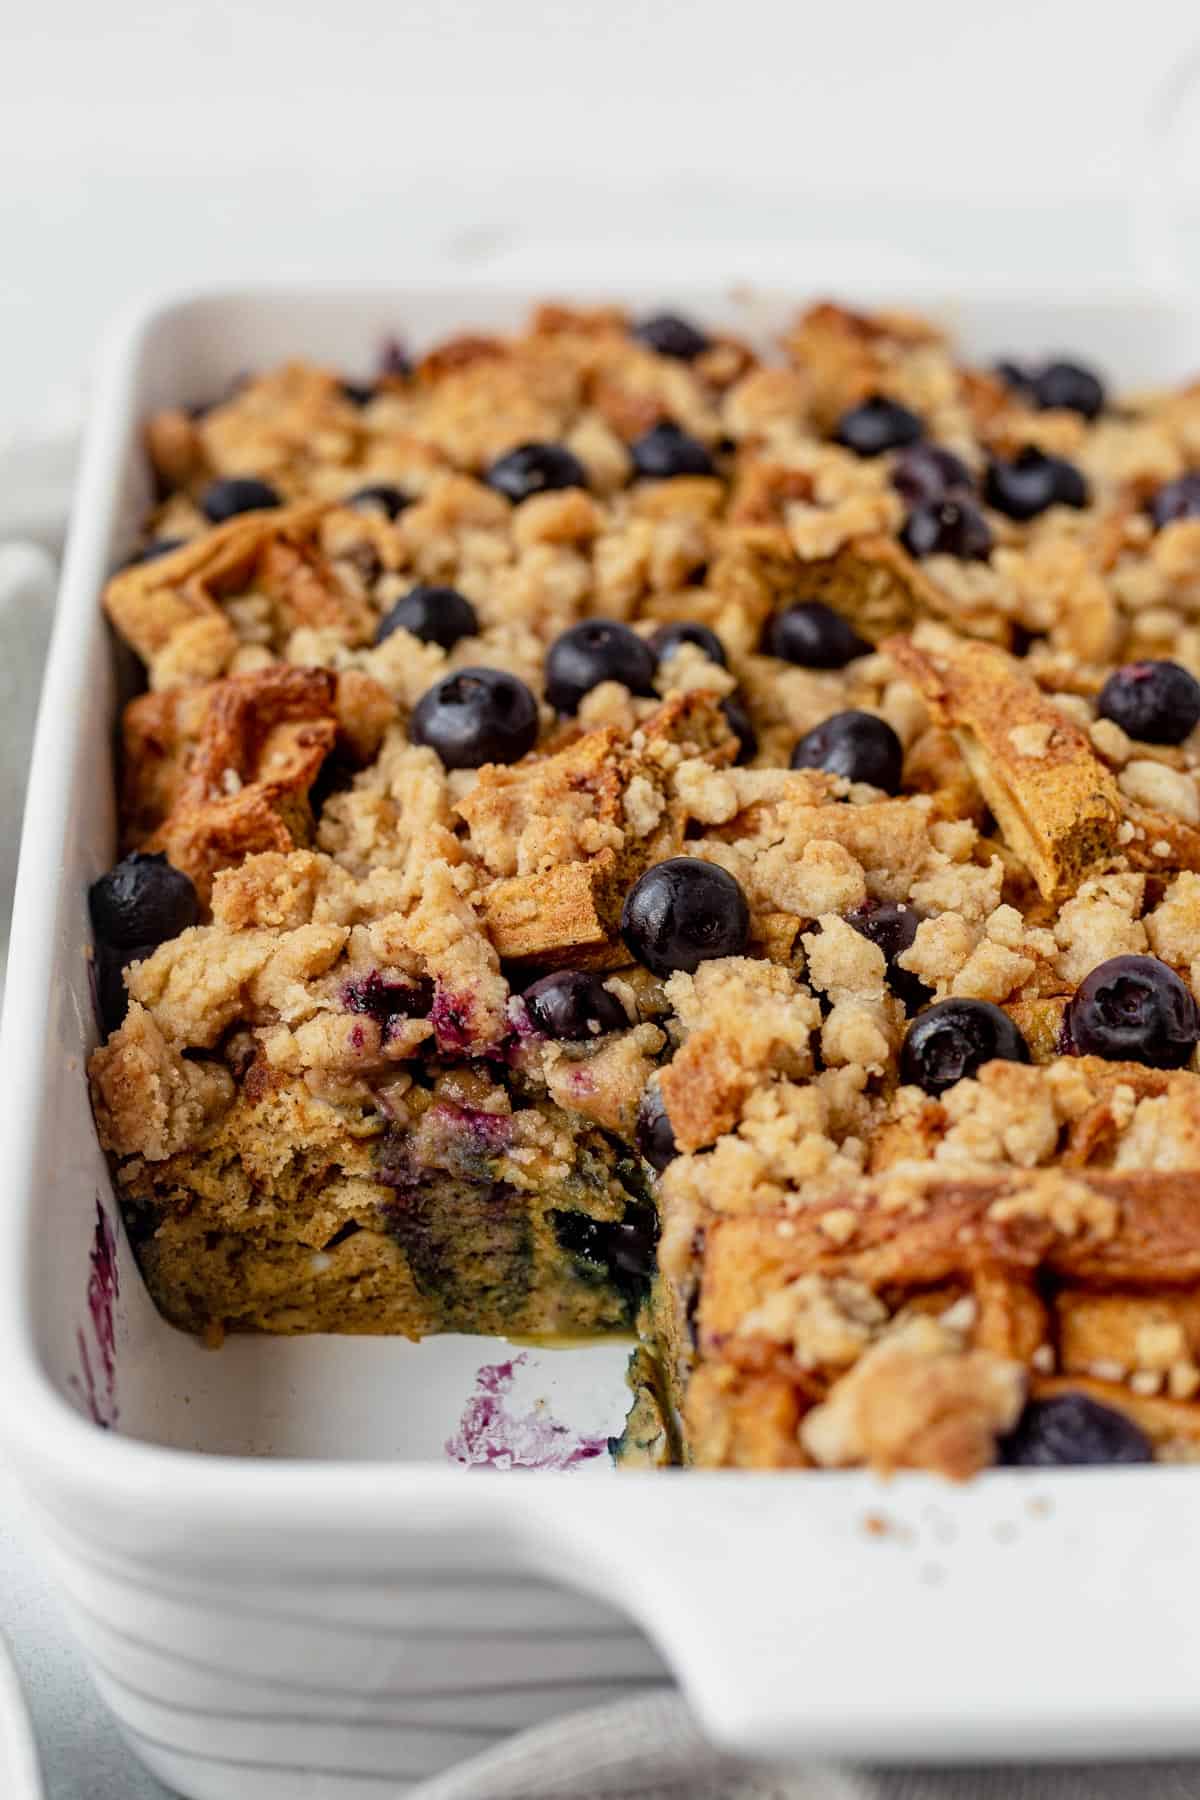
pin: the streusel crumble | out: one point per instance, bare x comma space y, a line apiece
625, 832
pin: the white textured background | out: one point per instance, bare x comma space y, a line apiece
145, 142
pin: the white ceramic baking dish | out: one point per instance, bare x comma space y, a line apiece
284, 1580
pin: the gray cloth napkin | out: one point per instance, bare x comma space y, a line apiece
27, 578
644, 1749
651, 1749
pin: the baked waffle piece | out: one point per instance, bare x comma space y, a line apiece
906, 1319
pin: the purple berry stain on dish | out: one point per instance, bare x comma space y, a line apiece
489, 1436
97, 1383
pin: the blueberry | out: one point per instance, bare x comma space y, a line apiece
1072, 1429
878, 424
683, 912
143, 900
670, 335
622, 1248
953, 1039
476, 716
1157, 702
742, 726
381, 999
1070, 487
389, 1002
1025, 487
666, 640
436, 615
111, 994
394, 360
665, 450
1015, 376
593, 651
1069, 386
812, 634
380, 496
925, 473
574, 1005
234, 494
950, 528
535, 469
1178, 499
153, 550
856, 745
1133, 1009
655, 1137
893, 927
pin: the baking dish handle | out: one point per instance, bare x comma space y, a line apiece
841, 1616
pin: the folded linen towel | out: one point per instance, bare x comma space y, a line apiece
644, 1749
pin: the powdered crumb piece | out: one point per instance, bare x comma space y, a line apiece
150, 1100
708, 795
1159, 1343
1031, 739
941, 947
826, 1323
611, 704
839, 1224
1071, 1207
1101, 921
643, 806
961, 1316
1183, 1380
861, 1034
742, 1020
1112, 743
1166, 790
606, 1086
1173, 927
992, 973
842, 963
688, 668
1106, 1368
968, 890
917, 1400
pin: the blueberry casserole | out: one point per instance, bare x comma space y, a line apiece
624, 833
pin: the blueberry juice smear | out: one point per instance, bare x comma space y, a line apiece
388, 1002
